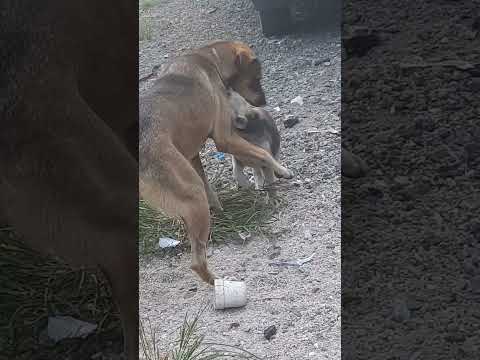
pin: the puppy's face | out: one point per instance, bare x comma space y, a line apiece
255, 125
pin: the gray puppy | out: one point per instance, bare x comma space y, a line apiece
258, 128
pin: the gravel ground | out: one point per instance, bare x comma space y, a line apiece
410, 259
303, 303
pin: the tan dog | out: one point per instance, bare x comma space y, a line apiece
257, 127
184, 107
68, 184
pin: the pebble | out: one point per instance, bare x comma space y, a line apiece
468, 266
234, 325
401, 312
290, 121
475, 85
307, 234
298, 100
475, 284
274, 255
321, 61
269, 332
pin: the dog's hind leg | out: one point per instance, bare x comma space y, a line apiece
169, 182
212, 196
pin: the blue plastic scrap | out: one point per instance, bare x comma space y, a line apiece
219, 156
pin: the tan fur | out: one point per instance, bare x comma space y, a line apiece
184, 107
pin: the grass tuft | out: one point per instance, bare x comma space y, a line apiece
34, 287
145, 30
147, 4
190, 345
245, 211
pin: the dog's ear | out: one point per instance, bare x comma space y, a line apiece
244, 57
240, 122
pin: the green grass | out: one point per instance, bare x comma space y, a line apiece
190, 345
148, 4
145, 30
245, 211
145, 23
33, 287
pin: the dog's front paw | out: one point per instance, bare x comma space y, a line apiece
285, 174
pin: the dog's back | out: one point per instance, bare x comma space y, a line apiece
182, 102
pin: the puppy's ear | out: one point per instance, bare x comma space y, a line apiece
240, 122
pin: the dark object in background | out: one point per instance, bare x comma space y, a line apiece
281, 16
359, 41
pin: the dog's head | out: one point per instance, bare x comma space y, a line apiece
240, 68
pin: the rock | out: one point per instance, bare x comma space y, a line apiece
234, 325
298, 100
475, 84
400, 312
290, 121
471, 347
475, 284
307, 234
269, 332
468, 266
476, 24
402, 180
320, 61
274, 255
455, 336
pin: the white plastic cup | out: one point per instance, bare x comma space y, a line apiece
230, 294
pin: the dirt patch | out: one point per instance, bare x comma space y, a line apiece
410, 234
303, 302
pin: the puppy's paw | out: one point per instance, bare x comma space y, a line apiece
244, 184
217, 208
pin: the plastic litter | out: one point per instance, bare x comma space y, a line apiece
167, 243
